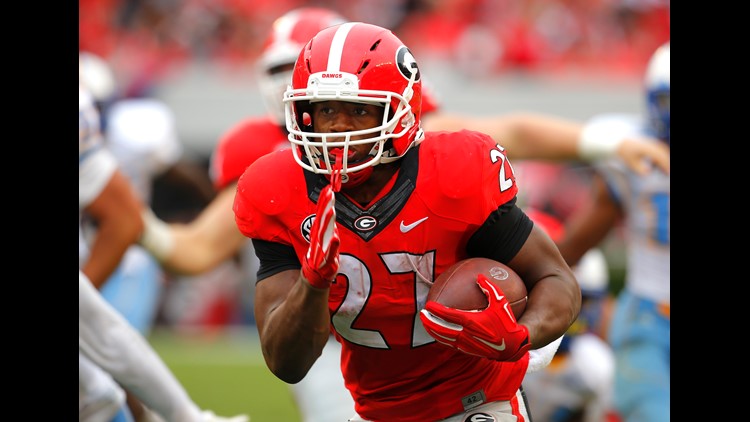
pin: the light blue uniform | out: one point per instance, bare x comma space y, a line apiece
141, 134
640, 328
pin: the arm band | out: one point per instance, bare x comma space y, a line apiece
156, 237
598, 141
502, 235
274, 258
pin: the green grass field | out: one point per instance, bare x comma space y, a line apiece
225, 372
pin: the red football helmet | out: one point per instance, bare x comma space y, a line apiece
361, 63
289, 34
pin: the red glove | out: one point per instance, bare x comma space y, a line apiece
491, 333
321, 263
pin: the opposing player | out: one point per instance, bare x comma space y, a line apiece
105, 195
577, 384
360, 263
141, 133
640, 328
111, 352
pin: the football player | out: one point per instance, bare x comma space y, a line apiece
213, 237
111, 353
141, 133
359, 263
640, 328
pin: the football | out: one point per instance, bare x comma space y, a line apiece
457, 286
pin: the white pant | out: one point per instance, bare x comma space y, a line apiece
111, 344
99, 396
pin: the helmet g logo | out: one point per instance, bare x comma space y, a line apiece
407, 64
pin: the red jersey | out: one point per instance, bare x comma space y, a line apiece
390, 252
241, 145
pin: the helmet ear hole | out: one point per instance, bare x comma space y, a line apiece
302, 110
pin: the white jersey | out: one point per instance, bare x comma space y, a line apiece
141, 141
96, 165
142, 134
645, 201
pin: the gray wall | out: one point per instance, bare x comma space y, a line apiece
207, 100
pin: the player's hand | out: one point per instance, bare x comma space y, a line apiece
321, 263
491, 333
637, 153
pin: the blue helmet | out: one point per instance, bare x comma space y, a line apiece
657, 92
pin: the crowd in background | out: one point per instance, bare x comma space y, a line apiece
147, 39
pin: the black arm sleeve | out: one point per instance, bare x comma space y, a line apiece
274, 258
502, 235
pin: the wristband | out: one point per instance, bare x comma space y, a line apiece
598, 141
540, 358
156, 237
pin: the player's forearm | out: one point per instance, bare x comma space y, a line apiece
293, 334
535, 136
98, 269
192, 248
196, 251
590, 226
112, 240
554, 297
543, 137
588, 231
553, 304
116, 211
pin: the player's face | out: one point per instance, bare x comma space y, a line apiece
343, 116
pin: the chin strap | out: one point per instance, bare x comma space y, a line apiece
336, 176
336, 172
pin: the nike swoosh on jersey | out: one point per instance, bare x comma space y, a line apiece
406, 227
499, 347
